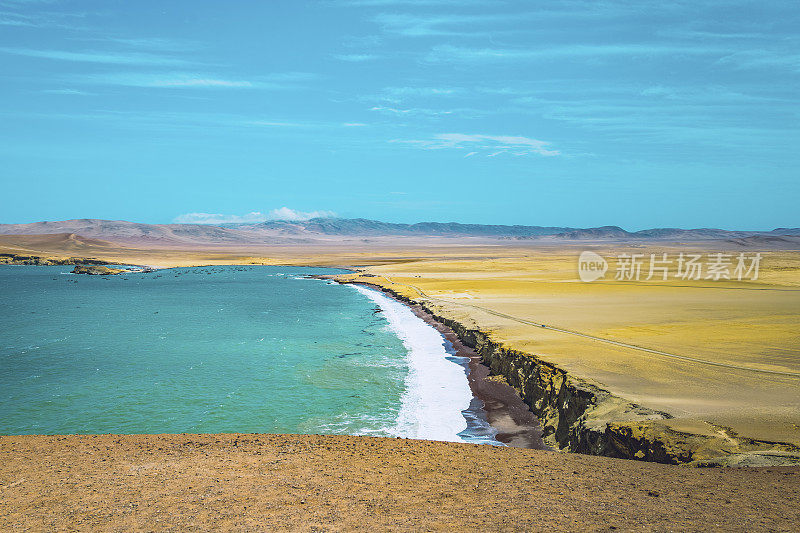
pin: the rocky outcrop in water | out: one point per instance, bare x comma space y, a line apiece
96, 270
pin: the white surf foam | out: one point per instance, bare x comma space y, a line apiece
437, 389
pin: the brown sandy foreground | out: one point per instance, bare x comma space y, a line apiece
339, 483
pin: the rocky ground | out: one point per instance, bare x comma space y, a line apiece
333, 483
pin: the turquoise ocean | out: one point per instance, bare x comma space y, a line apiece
218, 350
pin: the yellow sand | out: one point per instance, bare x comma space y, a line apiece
748, 325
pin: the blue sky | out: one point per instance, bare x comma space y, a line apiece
578, 113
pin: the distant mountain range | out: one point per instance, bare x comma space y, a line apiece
322, 229
615, 232
362, 227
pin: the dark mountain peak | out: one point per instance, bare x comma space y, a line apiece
786, 231
602, 232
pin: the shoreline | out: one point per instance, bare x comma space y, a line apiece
516, 425
581, 417
481, 406
498, 404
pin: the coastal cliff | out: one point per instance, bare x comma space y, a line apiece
579, 416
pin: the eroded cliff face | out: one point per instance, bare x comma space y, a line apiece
582, 417
570, 411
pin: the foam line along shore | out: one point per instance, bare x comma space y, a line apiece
447, 379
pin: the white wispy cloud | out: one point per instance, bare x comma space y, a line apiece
398, 94
392, 3
491, 22
450, 53
172, 121
754, 59
274, 123
64, 91
496, 144
659, 90
410, 111
694, 118
14, 19
201, 82
254, 217
27, 2
153, 43
355, 58
361, 42
31, 19
111, 58
187, 80
686, 33
435, 25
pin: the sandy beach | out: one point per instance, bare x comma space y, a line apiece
505, 411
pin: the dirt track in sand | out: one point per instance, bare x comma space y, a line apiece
259, 482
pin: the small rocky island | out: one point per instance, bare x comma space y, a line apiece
96, 270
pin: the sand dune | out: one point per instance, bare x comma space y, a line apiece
54, 244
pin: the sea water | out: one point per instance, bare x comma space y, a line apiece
223, 349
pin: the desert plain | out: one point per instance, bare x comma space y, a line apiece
721, 358
731, 349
